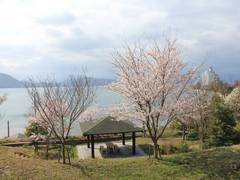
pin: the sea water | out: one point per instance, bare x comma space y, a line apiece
18, 105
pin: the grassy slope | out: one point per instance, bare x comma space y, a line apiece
213, 163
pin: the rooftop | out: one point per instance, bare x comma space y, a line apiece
107, 125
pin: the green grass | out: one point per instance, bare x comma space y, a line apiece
215, 163
73, 152
53, 151
218, 163
167, 143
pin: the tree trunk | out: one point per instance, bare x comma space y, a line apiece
35, 144
201, 142
144, 130
68, 154
63, 153
47, 148
156, 149
202, 138
184, 133
47, 144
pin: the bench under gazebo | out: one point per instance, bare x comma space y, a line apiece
107, 126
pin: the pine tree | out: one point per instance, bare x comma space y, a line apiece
222, 123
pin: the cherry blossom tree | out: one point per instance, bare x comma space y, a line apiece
42, 133
36, 132
201, 110
59, 105
156, 83
3, 98
90, 114
186, 121
233, 101
118, 111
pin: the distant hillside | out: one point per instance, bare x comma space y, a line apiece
96, 81
230, 78
99, 82
7, 81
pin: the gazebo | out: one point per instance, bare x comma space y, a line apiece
107, 126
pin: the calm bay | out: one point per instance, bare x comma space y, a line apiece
18, 105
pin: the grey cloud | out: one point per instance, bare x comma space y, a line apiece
62, 67
57, 19
212, 26
18, 52
79, 42
54, 33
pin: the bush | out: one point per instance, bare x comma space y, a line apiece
184, 147
222, 131
171, 148
168, 149
193, 136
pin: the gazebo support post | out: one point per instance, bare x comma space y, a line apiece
133, 143
92, 146
123, 138
88, 141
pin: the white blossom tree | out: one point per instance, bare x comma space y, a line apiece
156, 84
233, 101
186, 121
90, 114
3, 98
201, 110
39, 130
59, 105
36, 132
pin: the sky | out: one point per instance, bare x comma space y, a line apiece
62, 37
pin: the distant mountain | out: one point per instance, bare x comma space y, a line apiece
230, 78
100, 81
95, 81
7, 81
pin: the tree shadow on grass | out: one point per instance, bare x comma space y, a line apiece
147, 148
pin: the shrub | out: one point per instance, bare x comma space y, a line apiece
193, 136
168, 149
184, 147
222, 131
174, 147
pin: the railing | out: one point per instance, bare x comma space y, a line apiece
70, 141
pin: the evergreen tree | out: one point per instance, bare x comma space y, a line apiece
222, 124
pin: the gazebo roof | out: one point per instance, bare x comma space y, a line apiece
107, 125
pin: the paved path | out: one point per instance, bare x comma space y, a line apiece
125, 151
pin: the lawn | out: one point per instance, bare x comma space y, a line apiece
211, 164
168, 145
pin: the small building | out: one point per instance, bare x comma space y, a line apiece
107, 126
